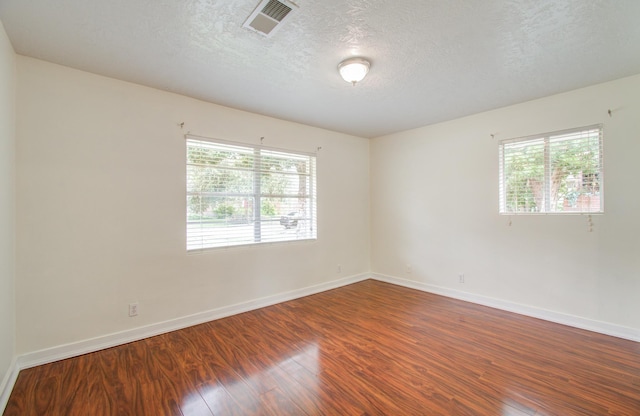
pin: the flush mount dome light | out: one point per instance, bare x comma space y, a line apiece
354, 69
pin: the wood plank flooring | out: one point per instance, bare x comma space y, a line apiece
370, 348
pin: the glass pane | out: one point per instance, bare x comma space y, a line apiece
575, 172
524, 176
219, 221
286, 219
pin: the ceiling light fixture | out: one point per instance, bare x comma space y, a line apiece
354, 70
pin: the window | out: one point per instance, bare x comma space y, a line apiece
558, 172
240, 194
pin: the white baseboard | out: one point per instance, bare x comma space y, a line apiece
7, 384
74, 349
552, 316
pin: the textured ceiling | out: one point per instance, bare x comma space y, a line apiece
431, 60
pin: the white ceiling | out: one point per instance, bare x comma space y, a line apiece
432, 60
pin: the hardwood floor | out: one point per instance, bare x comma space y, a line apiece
366, 349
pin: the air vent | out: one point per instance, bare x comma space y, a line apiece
268, 17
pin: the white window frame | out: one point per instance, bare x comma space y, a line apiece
546, 141
200, 235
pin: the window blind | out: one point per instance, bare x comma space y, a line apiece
560, 172
241, 194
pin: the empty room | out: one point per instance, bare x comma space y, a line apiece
280, 207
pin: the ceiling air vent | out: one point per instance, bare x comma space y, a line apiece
267, 18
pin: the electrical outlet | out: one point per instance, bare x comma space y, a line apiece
409, 268
133, 309
461, 277
339, 268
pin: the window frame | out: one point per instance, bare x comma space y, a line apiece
546, 139
256, 171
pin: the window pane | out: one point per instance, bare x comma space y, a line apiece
219, 169
219, 221
575, 172
286, 219
524, 176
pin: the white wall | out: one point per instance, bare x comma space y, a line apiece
101, 208
7, 205
435, 206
